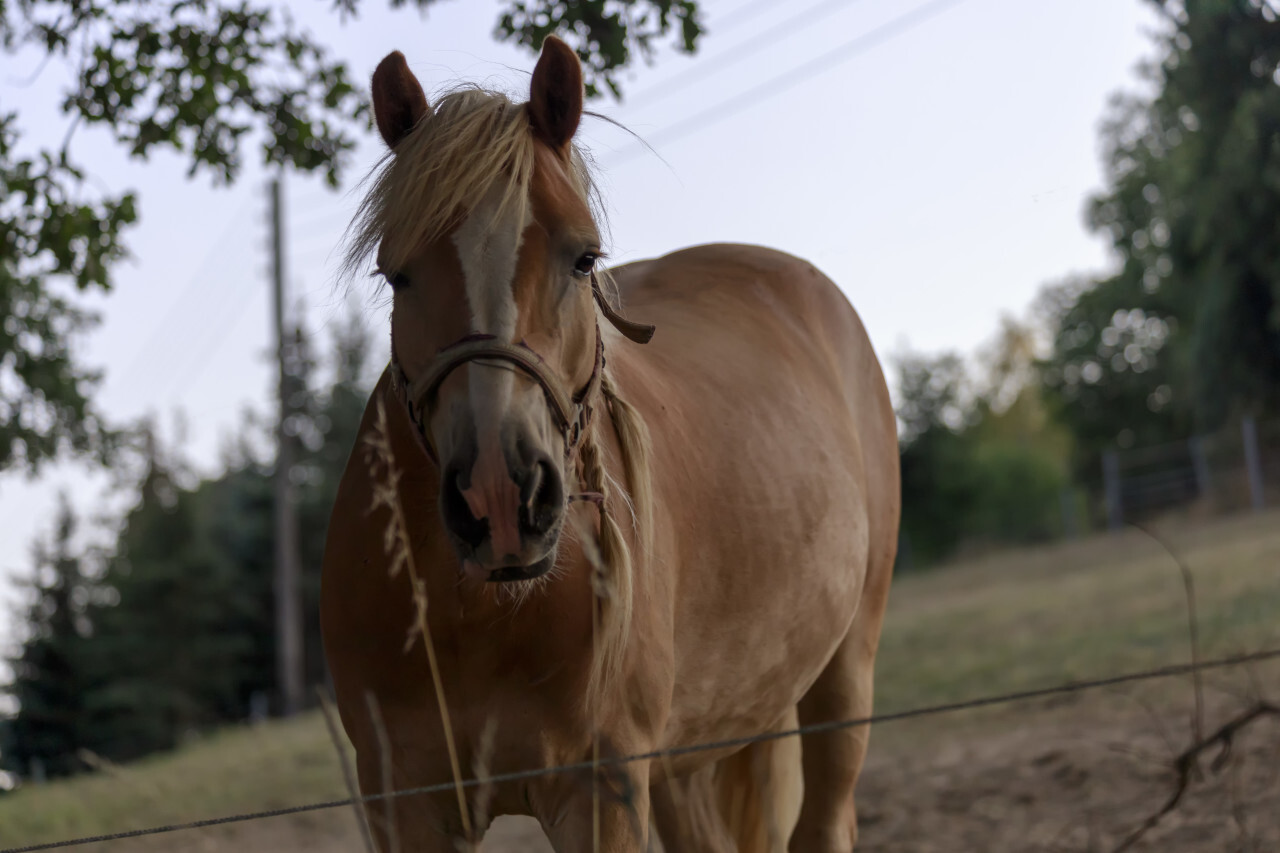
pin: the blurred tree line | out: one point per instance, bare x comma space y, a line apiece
169, 630
983, 461
1183, 337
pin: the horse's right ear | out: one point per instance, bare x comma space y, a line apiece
398, 99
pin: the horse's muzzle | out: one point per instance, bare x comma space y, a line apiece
504, 514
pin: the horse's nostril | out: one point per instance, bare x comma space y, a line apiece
541, 497
457, 513
530, 489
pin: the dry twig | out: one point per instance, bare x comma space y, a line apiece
1188, 761
388, 776
1193, 629
483, 774
398, 547
348, 777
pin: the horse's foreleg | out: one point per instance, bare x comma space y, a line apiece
687, 815
427, 823
612, 818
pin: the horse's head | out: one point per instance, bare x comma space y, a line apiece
482, 228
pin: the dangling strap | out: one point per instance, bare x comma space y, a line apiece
641, 333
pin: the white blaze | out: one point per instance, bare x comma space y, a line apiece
488, 245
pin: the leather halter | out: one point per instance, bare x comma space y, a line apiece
570, 411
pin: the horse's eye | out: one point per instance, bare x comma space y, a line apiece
586, 264
397, 280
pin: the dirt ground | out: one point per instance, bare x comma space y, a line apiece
1079, 776
1068, 776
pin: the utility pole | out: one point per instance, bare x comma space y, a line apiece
288, 601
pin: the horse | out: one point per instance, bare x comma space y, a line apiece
571, 535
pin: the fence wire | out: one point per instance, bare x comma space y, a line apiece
731, 743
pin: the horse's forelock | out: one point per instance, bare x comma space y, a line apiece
471, 141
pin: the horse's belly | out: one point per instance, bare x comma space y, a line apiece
756, 627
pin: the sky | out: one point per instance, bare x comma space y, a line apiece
933, 157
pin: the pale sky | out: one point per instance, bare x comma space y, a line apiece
936, 171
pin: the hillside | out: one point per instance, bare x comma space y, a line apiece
1049, 775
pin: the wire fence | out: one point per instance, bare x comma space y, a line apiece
710, 746
1232, 469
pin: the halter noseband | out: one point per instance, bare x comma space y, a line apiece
571, 411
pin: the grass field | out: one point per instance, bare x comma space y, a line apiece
1009, 621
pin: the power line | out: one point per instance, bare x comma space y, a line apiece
731, 743
202, 274
745, 12
745, 49
217, 334
751, 97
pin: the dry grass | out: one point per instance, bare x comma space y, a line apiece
266, 766
1099, 607
1005, 622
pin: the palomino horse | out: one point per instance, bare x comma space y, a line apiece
594, 546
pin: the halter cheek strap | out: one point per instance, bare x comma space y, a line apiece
641, 333
571, 412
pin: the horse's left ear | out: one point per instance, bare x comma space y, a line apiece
555, 98
398, 99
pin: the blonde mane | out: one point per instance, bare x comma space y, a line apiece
470, 142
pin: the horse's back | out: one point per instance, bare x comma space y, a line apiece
724, 293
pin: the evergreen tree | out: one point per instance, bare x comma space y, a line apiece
335, 427
183, 634
50, 674
171, 664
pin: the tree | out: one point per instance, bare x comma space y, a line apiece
1186, 333
179, 634
169, 651
51, 673
937, 478
203, 78
982, 459
334, 428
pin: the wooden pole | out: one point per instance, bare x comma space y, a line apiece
1253, 462
1111, 483
288, 600
1200, 465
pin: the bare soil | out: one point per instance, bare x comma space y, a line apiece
1078, 776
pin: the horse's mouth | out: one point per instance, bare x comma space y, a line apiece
513, 574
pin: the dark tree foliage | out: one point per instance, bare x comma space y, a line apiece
972, 475
50, 674
168, 652
937, 482
180, 635
1186, 334
209, 80
327, 444
603, 32
56, 241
